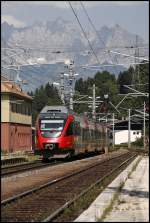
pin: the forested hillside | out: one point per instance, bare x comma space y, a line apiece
45, 95
106, 84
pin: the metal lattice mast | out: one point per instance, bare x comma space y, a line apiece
62, 87
144, 127
94, 104
129, 130
71, 77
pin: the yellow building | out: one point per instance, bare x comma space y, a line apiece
16, 117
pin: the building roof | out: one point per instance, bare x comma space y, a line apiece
11, 88
123, 125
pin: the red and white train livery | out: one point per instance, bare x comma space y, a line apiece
60, 131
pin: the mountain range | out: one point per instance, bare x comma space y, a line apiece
50, 43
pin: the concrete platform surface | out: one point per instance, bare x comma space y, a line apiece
132, 204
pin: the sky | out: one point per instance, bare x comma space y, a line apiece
130, 15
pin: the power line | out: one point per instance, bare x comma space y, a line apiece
83, 32
101, 40
123, 54
110, 51
110, 65
21, 47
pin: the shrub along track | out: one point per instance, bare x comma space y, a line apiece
47, 202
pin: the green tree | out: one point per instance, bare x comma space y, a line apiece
45, 95
125, 78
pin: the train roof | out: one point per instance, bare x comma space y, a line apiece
59, 111
54, 109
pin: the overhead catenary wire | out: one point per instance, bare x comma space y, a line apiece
21, 47
106, 65
118, 64
126, 55
83, 32
65, 50
101, 40
33, 69
60, 50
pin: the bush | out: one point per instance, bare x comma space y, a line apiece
138, 142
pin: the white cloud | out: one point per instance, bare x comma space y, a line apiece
59, 4
65, 4
127, 3
11, 20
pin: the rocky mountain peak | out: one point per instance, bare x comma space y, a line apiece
117, 26
65, 37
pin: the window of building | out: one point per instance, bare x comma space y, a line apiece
23, 109
17, 108
29, 110
26, 110
13, 107
134, 133
137, 133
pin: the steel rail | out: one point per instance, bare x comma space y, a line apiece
28, 192
25, 167
17, 164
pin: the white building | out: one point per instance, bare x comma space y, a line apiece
121, 132
121, 136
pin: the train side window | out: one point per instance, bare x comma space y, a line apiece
70, 129
77, 130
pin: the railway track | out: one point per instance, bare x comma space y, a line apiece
46, 202
140, 151
11, 170
20, 168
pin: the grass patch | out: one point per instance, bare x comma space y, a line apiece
121, 201
134, 167
110, 206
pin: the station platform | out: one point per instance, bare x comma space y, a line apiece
129, 204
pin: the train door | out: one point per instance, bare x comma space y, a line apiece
69, 136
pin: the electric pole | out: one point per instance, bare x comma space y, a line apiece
137, 60
144, 127
62, 87
113, 130
106, 138
129, 129
71, 77
94, 104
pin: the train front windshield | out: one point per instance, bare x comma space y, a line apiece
51, 128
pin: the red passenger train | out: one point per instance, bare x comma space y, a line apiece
60, 131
